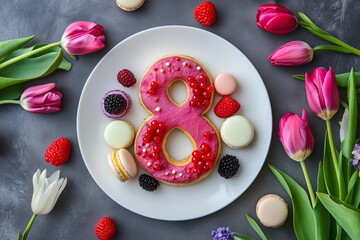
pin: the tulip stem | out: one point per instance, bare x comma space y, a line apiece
28, 54
308, 183
332, 48
26, 232
333, 154
10, 101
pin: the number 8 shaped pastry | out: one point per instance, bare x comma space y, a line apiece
166, 115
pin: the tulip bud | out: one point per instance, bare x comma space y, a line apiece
295, 136
44, 98
275, 18
46, 191
82, 38
322, 92
292, 54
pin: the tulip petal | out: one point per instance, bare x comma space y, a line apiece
37, 90
344, 125
312, 95
330, 94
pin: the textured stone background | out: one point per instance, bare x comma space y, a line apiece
24, 136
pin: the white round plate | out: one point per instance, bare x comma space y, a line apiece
137, 53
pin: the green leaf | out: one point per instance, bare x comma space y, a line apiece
12, 92
322, 217
256, 227
303, 217
330, 178
353, 196
345, 214
72, 56
64, 65
311, 24
20, 236
348, 144
36, 66
242, 237
8, 46
345, 169
342, 79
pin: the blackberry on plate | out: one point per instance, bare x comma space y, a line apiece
148, 183
115, 104
228, 167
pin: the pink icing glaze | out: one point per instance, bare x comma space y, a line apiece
188, 118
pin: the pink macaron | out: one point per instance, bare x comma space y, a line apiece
225, 84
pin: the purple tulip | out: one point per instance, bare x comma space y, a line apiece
322, 92
44, 98
292, 54
276, 19
295, 136
83, 37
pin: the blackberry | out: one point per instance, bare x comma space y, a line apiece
228, 167
148, 183
115, 104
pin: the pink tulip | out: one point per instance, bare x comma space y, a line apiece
322, 92
83, 37
292, 54
275, 18
295, 136
44, 98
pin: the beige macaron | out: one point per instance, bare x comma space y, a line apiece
122, 164
129, 5
272, 210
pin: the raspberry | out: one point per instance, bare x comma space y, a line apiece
105, 229
115, 104
228, 167
226, 107
148, 183
58, 152
126, 78
205, 13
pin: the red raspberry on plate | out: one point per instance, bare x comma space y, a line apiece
126, 78
205, 13
105, 229
58, 152
226, 107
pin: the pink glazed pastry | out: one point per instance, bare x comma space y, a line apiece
166, 115
225, 84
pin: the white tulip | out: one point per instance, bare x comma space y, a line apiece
344, 125
46, 191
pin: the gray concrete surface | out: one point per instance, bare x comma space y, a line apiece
25, 136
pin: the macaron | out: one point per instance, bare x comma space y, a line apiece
225, 84
272, 210
122, 164
237, 132
129, 5
119, 134
115, 104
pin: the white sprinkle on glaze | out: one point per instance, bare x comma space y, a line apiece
167, 64
184, 63
198, 68
167, 173
149, 164
180, 174
173, 171
158, 109
162, 70
147, 145
144, 149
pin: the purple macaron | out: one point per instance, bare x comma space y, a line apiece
115, 104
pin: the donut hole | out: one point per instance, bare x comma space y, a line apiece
178, 146
177, 92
